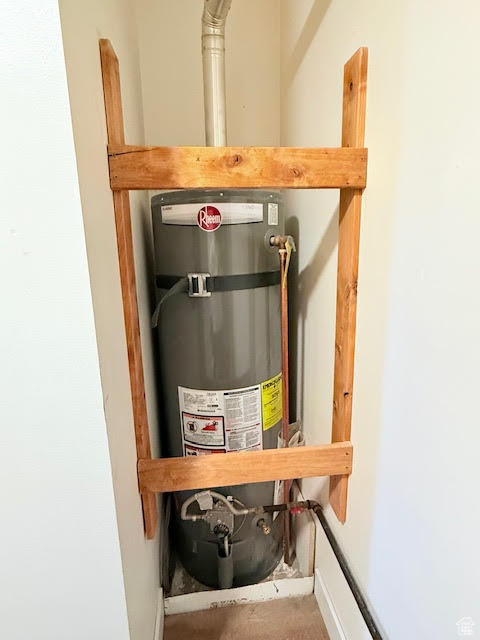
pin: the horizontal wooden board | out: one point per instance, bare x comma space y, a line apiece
178, 474
241, 167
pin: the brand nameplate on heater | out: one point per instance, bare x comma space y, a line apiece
231, 212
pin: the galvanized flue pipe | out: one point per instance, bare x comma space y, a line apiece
213, 51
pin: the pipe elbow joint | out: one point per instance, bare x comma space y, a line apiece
214, 16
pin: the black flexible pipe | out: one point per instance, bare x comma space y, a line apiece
352, 583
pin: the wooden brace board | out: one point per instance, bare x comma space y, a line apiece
133, 167
239, 167
121, 205
353, 134
171, 474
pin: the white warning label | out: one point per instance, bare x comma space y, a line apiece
205, 430
220, 421
272, 213
197, 451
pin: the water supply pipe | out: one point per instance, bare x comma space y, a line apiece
285, 392
213, 51
286, 245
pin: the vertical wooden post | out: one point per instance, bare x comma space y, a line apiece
121, 204
353, 134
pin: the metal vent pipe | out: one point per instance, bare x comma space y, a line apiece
213, 51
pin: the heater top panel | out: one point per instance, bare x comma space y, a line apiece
222, 232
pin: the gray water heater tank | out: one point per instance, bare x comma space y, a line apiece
220, 358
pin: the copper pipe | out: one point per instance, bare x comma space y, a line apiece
285, 402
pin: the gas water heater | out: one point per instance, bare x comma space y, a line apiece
219, 334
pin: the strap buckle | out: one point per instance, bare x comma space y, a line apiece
197, 285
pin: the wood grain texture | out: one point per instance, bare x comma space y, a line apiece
121, 203
229, 469
240, 167
111, 93
353, 134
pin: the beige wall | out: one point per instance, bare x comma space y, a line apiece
61, 571
171, 61
83, 23
413, 511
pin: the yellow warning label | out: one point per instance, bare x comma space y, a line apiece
272, 401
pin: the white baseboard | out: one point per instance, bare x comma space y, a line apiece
327, 609
340, 612
158, 633
275, 589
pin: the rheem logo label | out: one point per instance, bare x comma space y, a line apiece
209, 218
